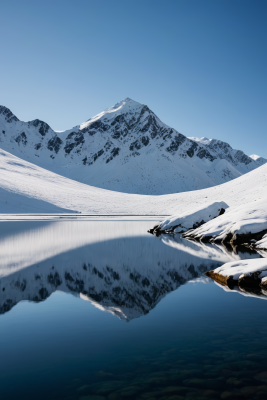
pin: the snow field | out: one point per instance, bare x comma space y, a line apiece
27, 188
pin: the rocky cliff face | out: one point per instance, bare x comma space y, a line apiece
125, 148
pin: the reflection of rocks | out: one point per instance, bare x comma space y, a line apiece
125, 291
126, 276
256, 292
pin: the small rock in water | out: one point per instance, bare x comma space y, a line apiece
261, 377
234, 382
249, 390
149, 395
109, 386
194, 382
83, 388
129, 391
92, 397
227, 395
114, 396
210, 393
174, 389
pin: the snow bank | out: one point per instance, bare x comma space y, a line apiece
247, 219
193, 218
24, 186
245, 272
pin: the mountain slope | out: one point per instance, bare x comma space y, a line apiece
125, 148
35, 185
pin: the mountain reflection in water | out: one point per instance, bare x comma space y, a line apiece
115, 265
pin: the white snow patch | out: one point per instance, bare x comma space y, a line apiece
27, 188
188, 219
203, 140
245, 267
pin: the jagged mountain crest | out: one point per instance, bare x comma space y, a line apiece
7, 114
125, 148
258, 159
223, 150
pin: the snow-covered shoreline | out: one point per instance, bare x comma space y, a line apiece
190, 220
241, 273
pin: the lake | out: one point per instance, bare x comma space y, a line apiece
102, 310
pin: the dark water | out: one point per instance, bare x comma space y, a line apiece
102, 310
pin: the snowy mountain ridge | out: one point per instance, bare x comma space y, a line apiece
223, 150
258, 159
125, 148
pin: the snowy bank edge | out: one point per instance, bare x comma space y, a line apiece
244, 274
188, 221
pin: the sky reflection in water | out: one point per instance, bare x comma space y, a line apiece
167, 331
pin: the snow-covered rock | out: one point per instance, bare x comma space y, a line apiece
193, 218
238, 224
125, 148
244, 273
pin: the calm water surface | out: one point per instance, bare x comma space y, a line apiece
102, 310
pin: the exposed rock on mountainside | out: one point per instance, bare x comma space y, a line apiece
125, 148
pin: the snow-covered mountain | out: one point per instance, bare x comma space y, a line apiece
224, 151
258, 159
125, 148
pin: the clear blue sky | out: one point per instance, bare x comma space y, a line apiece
200, 65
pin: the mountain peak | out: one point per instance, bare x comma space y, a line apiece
8, 115
124, 106
260, 160
254, 157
